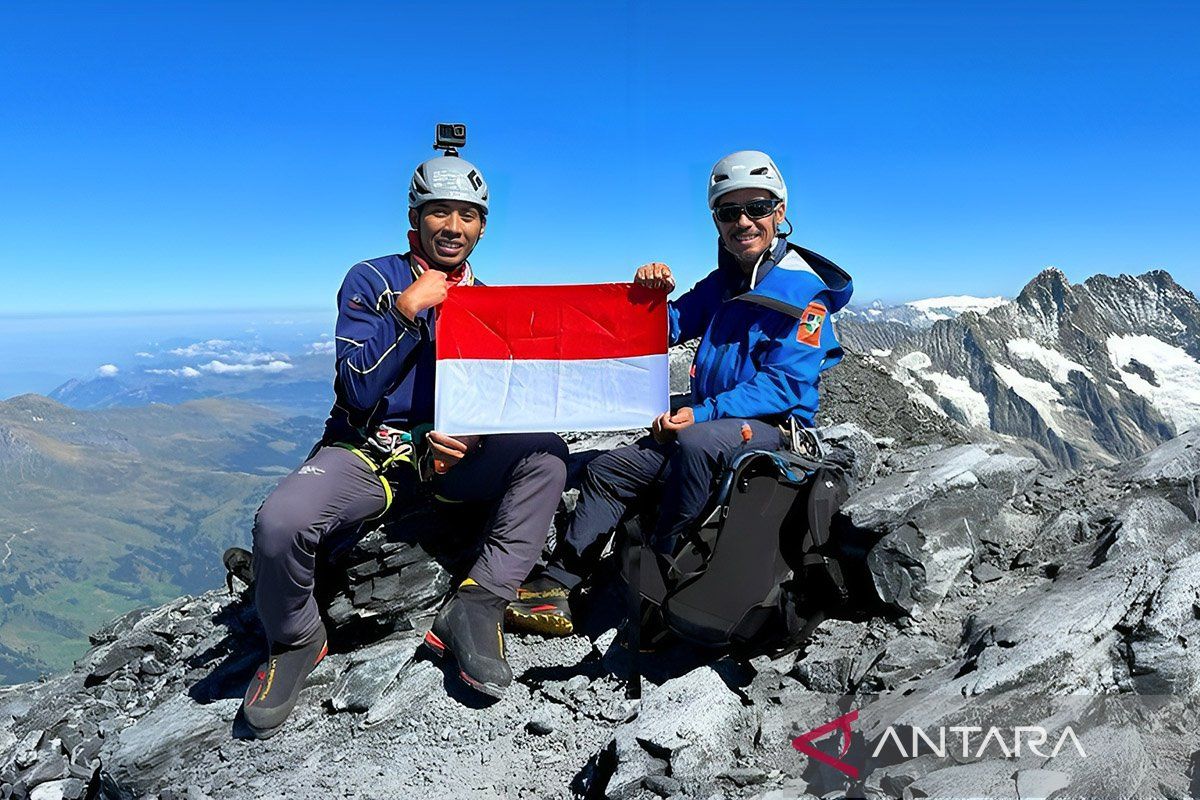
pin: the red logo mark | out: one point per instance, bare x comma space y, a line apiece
804, 743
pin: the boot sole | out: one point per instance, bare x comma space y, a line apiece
545, 624
439, 649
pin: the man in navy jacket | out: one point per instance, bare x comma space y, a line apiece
763, 321
384, 390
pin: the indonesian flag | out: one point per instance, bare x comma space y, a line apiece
514, 359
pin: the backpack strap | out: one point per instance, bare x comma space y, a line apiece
829, 488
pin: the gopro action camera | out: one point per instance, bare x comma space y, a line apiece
450, 137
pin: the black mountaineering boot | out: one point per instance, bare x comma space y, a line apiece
541, 607
469, 628
276, 685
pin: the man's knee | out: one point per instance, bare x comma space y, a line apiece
280, 527
699, 440
602, 472
547, 466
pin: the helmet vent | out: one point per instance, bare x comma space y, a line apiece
759, 171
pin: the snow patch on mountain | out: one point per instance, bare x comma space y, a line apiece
938, 308
1044, 398
1058, 365
1176, 376
915, 361
956, 391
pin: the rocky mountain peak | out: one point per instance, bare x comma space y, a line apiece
1046, 295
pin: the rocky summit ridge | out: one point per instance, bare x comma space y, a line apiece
1000, 584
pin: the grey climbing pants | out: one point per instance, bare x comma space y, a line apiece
522, 474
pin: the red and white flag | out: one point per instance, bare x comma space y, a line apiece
513, 359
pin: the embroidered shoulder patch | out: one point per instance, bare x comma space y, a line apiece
809, 330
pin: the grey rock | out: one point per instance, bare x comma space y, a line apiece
372, 670
692, 722
858, 441
1116, 764
70, 789
838, 657
1173, 469
662, 785
745, 776
1163, 646
986, 573
49, 767
543, 722
890, 502
1039, 784
114, 659
909, 656
991, 779
176, 732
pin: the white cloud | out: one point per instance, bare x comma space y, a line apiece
322, 347
143, 354
227, 352
185, 372
254, 358
207, 348
107, 370
224, 368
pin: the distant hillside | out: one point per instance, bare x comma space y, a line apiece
103, 511
302, 385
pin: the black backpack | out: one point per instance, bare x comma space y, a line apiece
760, 571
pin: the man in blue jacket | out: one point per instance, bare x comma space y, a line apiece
385, 360
763, 319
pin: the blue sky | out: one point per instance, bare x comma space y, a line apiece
240, 155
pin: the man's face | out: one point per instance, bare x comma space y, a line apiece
744, 237
449, 230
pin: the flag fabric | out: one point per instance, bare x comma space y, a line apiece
515, 359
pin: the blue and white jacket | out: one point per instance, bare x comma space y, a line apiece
763, 346
385, 363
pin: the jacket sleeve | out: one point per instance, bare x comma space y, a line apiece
691, 313
786, 376
373, 338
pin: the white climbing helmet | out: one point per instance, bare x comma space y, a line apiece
745, 169
447, 178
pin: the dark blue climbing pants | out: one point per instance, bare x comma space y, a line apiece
681, 473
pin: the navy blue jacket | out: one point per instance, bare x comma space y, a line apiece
385, 363
764, 347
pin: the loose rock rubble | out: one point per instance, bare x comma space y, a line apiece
1000, 589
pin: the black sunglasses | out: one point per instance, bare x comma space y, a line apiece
755, 209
